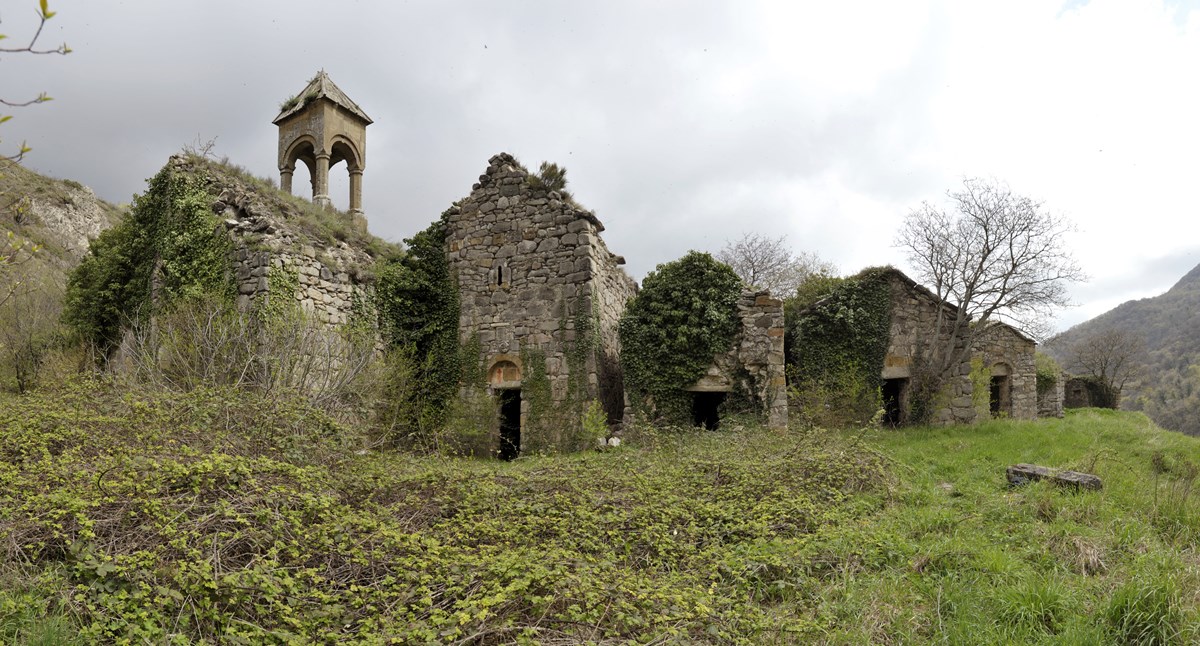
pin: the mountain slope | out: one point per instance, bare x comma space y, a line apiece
1168, 325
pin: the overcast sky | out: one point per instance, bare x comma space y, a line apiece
682, 124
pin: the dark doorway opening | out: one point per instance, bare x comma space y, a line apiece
706, 410
1001, 397
895, 395
510, 424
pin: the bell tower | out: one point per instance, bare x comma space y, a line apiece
322, 127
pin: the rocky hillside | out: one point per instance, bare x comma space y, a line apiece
1167, 327
59, 216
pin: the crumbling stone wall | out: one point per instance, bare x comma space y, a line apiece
327, 279
911, 336
1001, 349
536, 283
1050, 401
754, 363
1077, 393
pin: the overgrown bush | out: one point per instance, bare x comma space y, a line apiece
29, 331
684, 315
207, 341
1048, 373
166, 247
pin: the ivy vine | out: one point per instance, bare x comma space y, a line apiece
169, 243
684, 315
839, 343
416, 299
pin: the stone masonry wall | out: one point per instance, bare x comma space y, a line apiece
1002, 345
612, 290
327, 277
913, 330
1050, 403
760, 353
754, 363
536, 280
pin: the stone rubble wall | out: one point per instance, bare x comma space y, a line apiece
612, 291
754, 363
912, 333
1076, 393
760, 353
529, 265
327, 278
1050, 403
1000, 344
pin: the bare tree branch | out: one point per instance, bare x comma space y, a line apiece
763, 262
1113, 357
994, 256
44, 14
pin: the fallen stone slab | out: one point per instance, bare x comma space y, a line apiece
1019, 474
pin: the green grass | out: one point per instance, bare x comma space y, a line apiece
977, 562
230, 517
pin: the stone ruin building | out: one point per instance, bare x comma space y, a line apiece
541, 295
753, 364
1007, 356
913, 329
1003, 355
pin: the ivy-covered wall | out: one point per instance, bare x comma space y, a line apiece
880, 325
683, 317
751, 367
838, 348
168, 247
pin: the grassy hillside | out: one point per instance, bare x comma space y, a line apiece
223, 516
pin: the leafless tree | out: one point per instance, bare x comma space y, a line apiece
1113, 357
764, 262
993, 256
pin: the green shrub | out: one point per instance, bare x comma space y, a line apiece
684, 315
1048, 372
416, 300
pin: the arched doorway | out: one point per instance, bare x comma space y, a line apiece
504, 378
